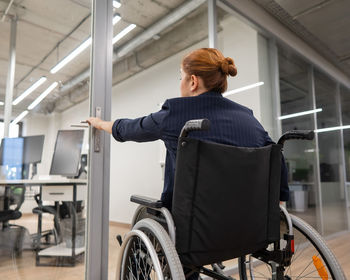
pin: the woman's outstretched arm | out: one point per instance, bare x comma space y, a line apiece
143, 129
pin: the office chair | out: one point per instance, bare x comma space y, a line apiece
59, 211
55, 232
12, 236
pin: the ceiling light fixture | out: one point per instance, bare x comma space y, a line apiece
42, 96
83, 46
299, 114
19, 117
242, 89
332, 128
29, 90
116, 4
116, 19
122, 33
1, 103
71, 56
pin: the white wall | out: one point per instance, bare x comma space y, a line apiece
239, 41
135, 167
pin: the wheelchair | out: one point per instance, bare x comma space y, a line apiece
225, 206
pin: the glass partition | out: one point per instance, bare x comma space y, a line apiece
43, 211
345, 107
297, 114
333, 192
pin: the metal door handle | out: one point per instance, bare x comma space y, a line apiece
97, 137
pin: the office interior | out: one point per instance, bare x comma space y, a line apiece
293, 63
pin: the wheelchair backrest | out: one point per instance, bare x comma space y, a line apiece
226, 200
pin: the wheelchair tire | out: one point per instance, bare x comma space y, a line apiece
308, 243
137, 263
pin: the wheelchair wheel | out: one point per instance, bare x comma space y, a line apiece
312, 258
149, 254
140, 213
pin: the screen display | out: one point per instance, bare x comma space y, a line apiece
66, 157
21, 150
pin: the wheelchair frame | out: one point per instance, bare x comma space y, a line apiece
276, 257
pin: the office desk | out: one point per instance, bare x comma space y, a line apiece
61, 189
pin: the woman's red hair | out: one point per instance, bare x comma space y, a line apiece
211, 66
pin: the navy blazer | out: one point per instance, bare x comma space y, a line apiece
231, 124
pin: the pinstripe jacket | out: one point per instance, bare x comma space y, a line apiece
231, 124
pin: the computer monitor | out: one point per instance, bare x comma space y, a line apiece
33, 149
21, 150
66, 157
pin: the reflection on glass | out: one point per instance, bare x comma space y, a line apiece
346, 135
294, 84
345, 104
333, 192
42, 217
296, 99
345, 108
325, 90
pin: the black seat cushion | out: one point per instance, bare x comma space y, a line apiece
7, 215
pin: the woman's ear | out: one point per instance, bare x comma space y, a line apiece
194, 83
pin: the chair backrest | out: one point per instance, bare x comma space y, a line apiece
16, 196
226, 200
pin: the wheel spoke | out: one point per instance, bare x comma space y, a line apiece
258, 272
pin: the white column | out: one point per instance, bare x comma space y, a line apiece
10, 78
212, 24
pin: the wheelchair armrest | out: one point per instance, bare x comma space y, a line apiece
146, 201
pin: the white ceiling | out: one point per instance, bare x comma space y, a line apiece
44, 25
323, 24
42, 29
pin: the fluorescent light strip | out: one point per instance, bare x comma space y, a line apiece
42, 96
83, 46
116, 4
332, 128
71, 56
116, 19
2, 103
299, 114
122, 33
19, 117
242, 89
29, 90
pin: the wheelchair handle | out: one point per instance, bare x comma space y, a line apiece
193, 125
297, 134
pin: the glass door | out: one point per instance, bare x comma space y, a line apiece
44, 150
330, 154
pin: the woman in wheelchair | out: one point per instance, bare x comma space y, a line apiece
222, 199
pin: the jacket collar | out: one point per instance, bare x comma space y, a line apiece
211, 93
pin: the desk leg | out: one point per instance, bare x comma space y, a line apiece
38, 237
74, 214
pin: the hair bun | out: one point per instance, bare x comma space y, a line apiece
228, 67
